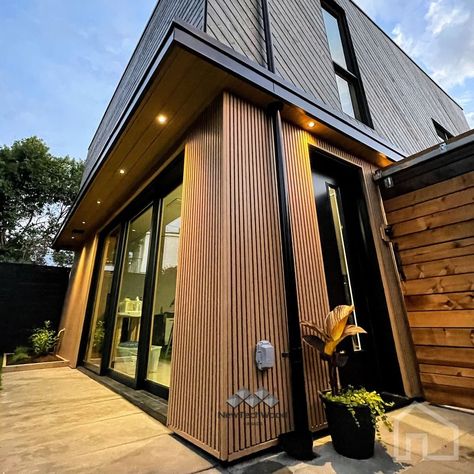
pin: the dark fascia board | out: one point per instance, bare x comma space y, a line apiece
225, 58
180, 34
431, 153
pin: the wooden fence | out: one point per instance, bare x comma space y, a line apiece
433, 234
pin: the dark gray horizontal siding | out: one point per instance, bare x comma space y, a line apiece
191, 11
402, 99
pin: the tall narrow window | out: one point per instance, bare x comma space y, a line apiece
349, 86
95, 344
129, 309
161, 341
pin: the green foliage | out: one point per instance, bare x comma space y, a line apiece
352, 398
21, 354
36, 192
43, 339
99, 335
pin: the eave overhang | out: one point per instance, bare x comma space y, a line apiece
189, 70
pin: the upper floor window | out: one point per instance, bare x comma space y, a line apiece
348, 81
442, 133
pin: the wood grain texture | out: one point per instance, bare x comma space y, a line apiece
312, 290
446, 370
438, 268
439, 218
448, 394
433, 206
447, 284
439, 355
439, 235
196, 382
230, 290
75, 302
434, 229
444, 337
445, 250
441, 319
444, 188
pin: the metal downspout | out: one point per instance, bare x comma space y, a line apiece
297, 443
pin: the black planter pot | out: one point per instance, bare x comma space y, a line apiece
348, 439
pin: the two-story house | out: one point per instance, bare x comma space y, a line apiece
228, 195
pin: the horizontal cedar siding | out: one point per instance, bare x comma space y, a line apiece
434, 229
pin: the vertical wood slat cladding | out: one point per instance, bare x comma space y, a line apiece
402, 99
311, 283
75, 302
438, 264
196, 360
230, 290
255, 308
190, 11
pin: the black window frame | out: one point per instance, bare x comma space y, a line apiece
352, 74
441, 132
152, 195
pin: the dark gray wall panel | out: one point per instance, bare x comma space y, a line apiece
191, 11
238, 24
402, 99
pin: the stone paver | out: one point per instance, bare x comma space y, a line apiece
422, 434
60, 420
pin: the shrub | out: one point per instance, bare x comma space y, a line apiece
21, 353
43, 339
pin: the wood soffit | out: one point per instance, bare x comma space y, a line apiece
189, 71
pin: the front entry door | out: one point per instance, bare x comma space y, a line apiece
352, 275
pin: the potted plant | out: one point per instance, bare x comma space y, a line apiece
352, 413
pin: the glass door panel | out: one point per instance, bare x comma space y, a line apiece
129, 308
161, 341
334, 201
102, 299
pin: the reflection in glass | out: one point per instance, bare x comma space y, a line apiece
159, 360
334, 39
341, 247
102, 299
129, 308
345, 96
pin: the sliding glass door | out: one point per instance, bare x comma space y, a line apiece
95, 345
132, 311
162, 322
129, 306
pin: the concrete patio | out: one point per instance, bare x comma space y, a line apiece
60, 420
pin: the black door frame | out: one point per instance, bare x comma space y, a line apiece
377, 300
153, 195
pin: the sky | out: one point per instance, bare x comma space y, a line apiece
62, 59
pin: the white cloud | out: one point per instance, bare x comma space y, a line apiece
438, 35
442, 40
470, 119
442, 14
